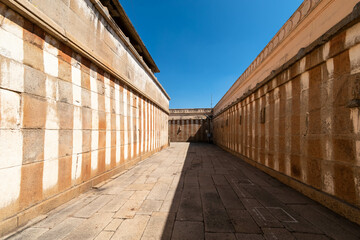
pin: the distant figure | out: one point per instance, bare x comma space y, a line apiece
208, 135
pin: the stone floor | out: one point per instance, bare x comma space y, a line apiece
192, 191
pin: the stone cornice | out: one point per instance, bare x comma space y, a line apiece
42, 20
299, 15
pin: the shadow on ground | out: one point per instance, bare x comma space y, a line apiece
219, 196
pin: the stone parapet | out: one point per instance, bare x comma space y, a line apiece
301, 123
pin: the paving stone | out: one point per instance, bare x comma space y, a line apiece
260, 214
191, 182
243, 222
222, 236
132, 228
242, 236
172, 201
93, 207
320, 221
288, 195
114, 205
140, 195
220, 180
206, 182
190, 208
59, 215
187, 230
140, 187
104, 235
212, 206
310, 236
229, 197
151, 180
159, 226
114, 224
149, 206
125, 194
91, 227
129, 209
277, 233
29, 233
63, 229
159, 191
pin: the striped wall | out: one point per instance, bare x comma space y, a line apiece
301, 124
188, 130
65, 123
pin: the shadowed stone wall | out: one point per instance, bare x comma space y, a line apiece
301, 123
70, 117
189, 125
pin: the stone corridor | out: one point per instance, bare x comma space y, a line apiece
190, 191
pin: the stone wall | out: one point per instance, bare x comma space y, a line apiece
69, 118
301, 123
189, 125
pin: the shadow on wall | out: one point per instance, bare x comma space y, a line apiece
189, 130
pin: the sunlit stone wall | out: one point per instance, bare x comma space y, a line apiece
67, 123
301, 123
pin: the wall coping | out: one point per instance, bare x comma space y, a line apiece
290, 25
36, 16
350, 20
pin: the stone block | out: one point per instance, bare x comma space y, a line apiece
343, 150
65, 112
65, 92
33, 145
9, 109
33, 56
34, 81
188, 230
11, 72
31, 184
344, 182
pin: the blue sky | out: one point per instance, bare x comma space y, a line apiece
202, 46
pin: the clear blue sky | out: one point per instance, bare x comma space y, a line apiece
202, 46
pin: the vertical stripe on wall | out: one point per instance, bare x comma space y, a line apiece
276, 125
146, 125
108, 119
131, 125
304, 119
137, 129
51, 138
94, 118
118, 119
125, 123
77, 121
288, 93
142, 112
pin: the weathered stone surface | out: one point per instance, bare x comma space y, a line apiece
132, 228
190, 208
160, 226
277, 233
62, 229
187, 230
149, 206
197, 210
91, 227
93, 207
30, 233
225, 236
114, 224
